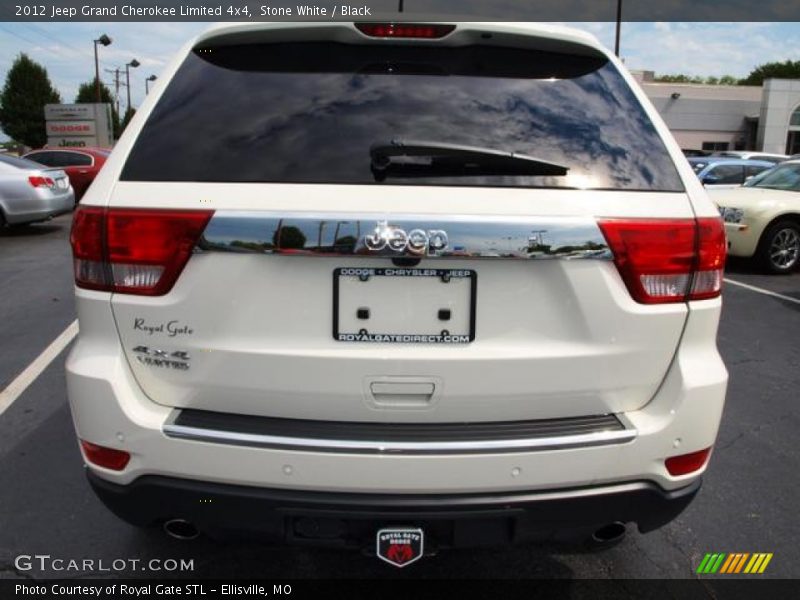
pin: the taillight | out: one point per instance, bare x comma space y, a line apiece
39, 181
108, 458
133, 251
668, 260
404, 30
687, 463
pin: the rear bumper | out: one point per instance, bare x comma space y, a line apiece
40, 208
351, 520
742, 238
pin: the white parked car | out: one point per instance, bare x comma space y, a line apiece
752, 155
400, 287
762, 218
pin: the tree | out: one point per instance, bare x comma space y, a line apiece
87, 95
127, 118
781, 70
26, 91
289, 237
679, 79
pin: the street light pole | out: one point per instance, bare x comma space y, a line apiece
146, 81
105, 40
619, 27
134, 63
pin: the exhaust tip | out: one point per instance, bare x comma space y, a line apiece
608, 534
180, 529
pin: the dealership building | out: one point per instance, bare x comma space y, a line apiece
729, 117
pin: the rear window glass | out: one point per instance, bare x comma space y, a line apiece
19, 163
310, 112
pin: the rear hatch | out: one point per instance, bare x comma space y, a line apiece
349, 264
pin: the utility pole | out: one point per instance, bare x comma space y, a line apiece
117, 83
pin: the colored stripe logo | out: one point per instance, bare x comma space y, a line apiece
736, 562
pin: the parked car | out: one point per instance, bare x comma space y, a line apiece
718, 172
762, 218
405, 294
751, 155
81, 164
30, 193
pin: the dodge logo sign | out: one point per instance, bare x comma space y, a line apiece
400, 546
416, 241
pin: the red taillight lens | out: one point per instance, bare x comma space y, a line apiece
712, 249
39, 181
404, 30
133, 251
668, 260
687, 463
108, 458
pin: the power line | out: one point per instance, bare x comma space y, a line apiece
51, 38
15, 34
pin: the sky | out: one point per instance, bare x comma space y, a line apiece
66, 50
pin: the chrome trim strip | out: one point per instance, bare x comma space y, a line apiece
585, 440
381, 235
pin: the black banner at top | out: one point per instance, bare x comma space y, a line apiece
399, 10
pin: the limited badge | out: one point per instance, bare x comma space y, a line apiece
400, 546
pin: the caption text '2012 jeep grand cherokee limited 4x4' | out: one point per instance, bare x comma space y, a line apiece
402, 287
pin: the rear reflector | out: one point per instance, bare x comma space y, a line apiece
108, 458
668, 260
38, 181
133, 251
404, 30
687, 463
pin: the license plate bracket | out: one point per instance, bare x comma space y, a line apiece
404, 305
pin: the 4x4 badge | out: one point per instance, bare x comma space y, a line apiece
400, 546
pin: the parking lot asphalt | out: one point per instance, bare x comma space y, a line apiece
748, 502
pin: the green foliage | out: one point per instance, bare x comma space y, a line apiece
26, 91
679, 79
88, 95
289, 237
127, 118
779, 70
711, 80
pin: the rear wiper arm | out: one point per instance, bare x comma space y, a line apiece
433, 159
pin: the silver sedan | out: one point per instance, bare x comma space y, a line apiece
30, 192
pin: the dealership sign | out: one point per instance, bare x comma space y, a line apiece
78, 125
80, 128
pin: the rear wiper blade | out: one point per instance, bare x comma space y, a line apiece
409, 158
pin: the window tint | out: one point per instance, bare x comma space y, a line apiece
43, 158
727, 174
751, 170
19, 163
782, 177
309, 113
72, 159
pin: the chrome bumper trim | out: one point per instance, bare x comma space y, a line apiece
523, 444
399, 235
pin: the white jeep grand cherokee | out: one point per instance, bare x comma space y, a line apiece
405, 287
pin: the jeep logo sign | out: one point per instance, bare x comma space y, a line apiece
416, 241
